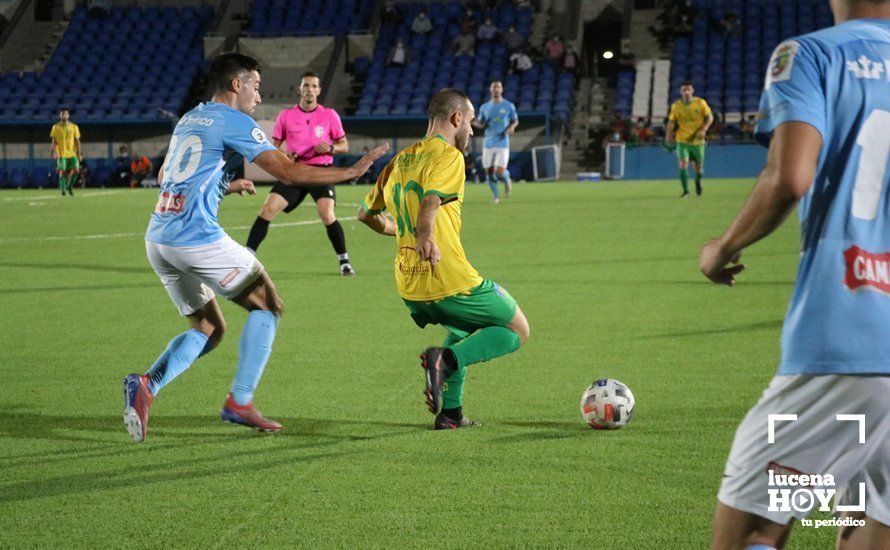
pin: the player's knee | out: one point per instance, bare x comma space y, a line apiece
327, 217
268, 212
521, 328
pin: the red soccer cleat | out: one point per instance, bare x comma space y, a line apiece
137, 402
247, 415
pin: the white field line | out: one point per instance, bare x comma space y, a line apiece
57, 197
142, 233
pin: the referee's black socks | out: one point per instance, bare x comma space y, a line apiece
338, 240
257, 233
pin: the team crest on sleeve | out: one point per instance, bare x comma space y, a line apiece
781, 62
258, 135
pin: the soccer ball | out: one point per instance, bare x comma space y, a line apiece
607, 404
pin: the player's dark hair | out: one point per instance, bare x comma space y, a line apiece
310, 74
687, 83
493, 82
228, 67
446, 101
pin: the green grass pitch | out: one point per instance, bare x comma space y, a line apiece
607, 274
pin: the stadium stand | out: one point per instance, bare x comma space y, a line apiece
125, 67
406, 90
309, 17
727, 68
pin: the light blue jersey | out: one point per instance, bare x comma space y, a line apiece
497, 117
208, 144
838, 81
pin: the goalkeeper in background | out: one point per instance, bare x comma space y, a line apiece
688, 123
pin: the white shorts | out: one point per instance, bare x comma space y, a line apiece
192, 275
497, 157
816, 443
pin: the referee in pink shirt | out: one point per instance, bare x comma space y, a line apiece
313, 134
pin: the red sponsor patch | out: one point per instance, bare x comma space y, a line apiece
608, 412
867, 269
229, 276
168, 202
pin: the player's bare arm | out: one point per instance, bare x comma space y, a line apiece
423, 238
54, 149
291, 173
77, 147
669, 132
788, 174
381, 223
512, 127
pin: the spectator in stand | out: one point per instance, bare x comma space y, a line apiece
642, 132
487, 33
619, 125
468, 24
513, 40
140, 168
398, 55
121, 176
730, 25
554, 49
422, 24
570, 61
390, 14
464, 44
520, 62
747, 128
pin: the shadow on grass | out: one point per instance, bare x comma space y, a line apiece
125, 464
87, 267
543, 430
750, 327
80, 288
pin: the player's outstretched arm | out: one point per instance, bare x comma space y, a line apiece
423, 237
788, 174
381, 223
290, 173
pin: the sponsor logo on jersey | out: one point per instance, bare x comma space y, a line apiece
866, 269
170, 203
319, 131
781, 63
192, 120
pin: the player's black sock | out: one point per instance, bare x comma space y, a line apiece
257, 233
337, 237
455, 415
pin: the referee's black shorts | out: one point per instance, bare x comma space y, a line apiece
294, 194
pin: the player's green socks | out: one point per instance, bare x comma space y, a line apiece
684, 180
484, 345
453, 391
63, 183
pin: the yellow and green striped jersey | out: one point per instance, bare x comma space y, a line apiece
429, 167
689, 118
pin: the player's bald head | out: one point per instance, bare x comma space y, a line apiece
446, 102
228, 67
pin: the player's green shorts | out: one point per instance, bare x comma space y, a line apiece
686, 151
486, 305
66, 164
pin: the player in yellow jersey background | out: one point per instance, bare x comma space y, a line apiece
688, 122
422, 188
65, 137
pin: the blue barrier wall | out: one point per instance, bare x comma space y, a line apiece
721, 161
